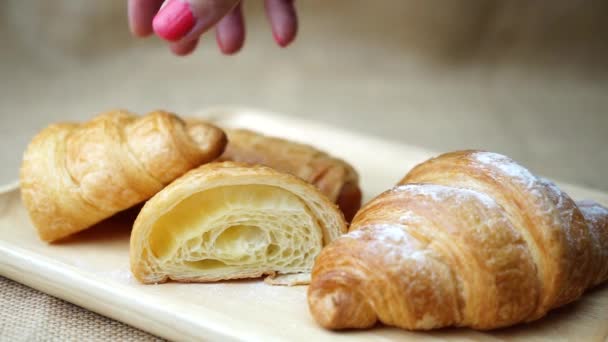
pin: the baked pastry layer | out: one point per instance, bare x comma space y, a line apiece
230, 220
469, 238
75, 175
334, 177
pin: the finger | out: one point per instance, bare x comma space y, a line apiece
141, 13
283, 20
183, 48
230, 32
186, 20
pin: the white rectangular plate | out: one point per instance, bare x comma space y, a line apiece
92, 269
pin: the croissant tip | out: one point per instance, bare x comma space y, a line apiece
338, 305
326, 308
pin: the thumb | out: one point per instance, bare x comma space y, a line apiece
186, 20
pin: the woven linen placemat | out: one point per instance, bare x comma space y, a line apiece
29, 315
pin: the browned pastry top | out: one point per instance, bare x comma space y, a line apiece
334, 177
469, 238
74, 175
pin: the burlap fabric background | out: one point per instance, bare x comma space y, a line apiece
528, 79
28, 315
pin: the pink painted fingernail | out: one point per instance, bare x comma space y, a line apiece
174, 20
278, 39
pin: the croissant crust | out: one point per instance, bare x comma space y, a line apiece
469, 238
334, 177
75, 175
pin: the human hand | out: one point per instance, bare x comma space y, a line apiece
182, 22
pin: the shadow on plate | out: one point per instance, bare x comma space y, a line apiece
115, 228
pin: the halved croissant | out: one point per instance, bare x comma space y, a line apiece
75, 175
230, 220
334, 177
468, 238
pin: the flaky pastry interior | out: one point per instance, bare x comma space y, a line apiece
228, 221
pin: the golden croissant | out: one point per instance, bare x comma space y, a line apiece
229, 221
334, 177
75, 175
468, 239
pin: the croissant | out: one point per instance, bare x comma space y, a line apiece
229, 221
75, 175
468, 239
334, 177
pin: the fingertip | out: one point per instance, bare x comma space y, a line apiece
140, 32
229, 48
174, 20
283, 21
207, 14
283, 39
140, 14
230, 32
183, 48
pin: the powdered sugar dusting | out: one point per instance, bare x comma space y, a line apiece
392, 240
569, 221
536, 191
507, 166
596, 217
565, 208
382, 232
419, 255
396, 243
409, 216
593, 211
553, 188
441, 193
594, 207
